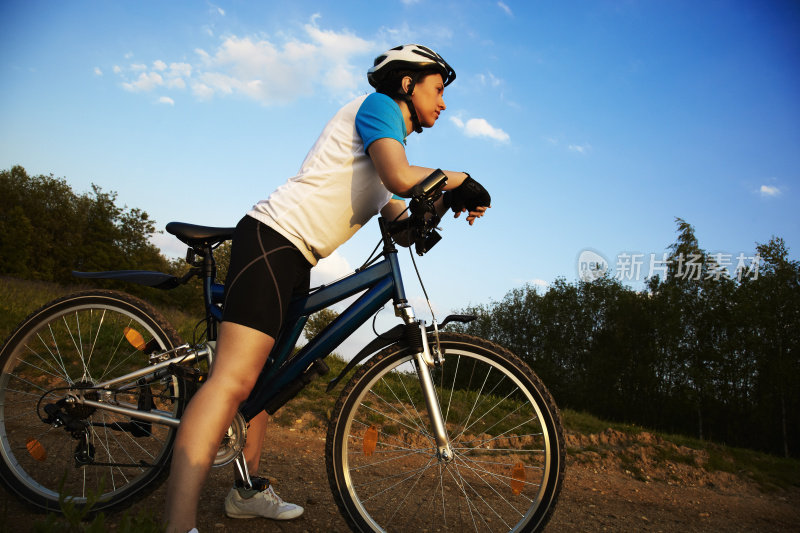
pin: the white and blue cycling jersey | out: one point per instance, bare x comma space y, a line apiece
337, 189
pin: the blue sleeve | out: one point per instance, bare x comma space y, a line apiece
379, 117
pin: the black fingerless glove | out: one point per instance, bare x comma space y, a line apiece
470, 195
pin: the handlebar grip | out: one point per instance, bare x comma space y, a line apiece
430, 185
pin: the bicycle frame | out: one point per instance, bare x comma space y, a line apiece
382, 282
285, 374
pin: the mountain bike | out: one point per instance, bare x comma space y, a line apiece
434, 430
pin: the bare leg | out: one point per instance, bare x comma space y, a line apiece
241, 354
255, 441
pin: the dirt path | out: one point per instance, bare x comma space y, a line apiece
597, 496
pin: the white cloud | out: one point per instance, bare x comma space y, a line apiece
489, 79
769, 191
505, 8
330, 269
392, 36
213, 8
420, 306
180, 69
535, 282
202, 91
97, 71
166, 100
270, 71
479, 127
581, 149
145, 82
117, 69
169, 245
176, 83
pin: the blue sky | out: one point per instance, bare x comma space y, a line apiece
592, 123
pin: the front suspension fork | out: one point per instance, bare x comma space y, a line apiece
425, 361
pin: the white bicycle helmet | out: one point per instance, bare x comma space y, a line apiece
409, 57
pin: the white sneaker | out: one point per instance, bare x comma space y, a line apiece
265, 503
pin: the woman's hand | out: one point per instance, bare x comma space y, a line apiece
472, 216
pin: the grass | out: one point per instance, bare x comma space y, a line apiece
74, 519
587, 424
768, 471
19, 298
313, 400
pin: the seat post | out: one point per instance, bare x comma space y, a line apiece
209, 274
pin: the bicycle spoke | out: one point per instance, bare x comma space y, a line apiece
63, 350
420, 425
381, 463
416, 423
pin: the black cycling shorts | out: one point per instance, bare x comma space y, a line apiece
265, 271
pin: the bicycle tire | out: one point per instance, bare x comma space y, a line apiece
505, 431
80, 340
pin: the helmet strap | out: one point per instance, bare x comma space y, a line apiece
411, 109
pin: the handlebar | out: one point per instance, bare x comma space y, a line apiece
430, 185
423, 218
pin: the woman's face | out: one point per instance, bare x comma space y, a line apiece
428, 99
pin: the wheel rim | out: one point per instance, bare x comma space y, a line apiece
498, 479
81, 344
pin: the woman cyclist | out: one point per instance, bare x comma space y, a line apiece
356, 169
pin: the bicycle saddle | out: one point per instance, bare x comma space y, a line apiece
195, 235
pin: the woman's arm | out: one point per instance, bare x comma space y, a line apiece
389, 158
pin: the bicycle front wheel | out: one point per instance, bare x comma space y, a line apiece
504, 429
51, 446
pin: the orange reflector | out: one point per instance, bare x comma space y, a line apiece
517, 478
36, 450
135, 338
370, 440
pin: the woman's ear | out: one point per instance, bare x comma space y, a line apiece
406, 83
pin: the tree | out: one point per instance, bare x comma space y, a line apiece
47, 230
778, 319
318, 322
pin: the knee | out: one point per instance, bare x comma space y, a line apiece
231, 389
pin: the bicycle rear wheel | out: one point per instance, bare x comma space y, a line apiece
504, 428
49, 445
